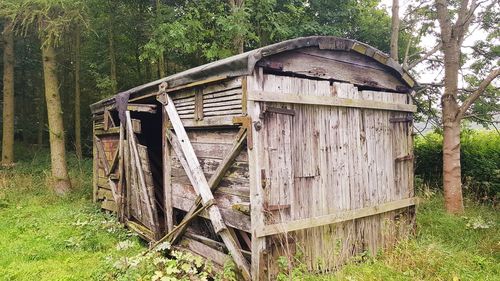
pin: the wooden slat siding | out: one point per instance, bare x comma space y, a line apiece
345, 168
327, 65
223, 98
200, 183
328, 101
344, 216
211, 146
231, 217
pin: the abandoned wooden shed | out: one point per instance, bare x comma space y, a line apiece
302, 149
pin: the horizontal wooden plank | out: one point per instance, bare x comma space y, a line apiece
109, 205
223, 85
104, 194
223, 112
205, 251
215, 121
334, 218
232, 218
143, 231
322, 65
329, 101
110, 131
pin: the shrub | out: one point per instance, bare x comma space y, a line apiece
480, 160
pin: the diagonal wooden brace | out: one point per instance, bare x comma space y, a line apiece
195, 173
214, 181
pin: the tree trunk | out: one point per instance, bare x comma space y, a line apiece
8, 98
60, 176
395, 30
161, 57
41, 117
112, 56
238, 41
78, 137
452, 181
161, 66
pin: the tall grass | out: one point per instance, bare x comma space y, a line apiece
46, 237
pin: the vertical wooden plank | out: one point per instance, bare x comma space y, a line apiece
128, 179
198, 104
121, 183
95, 165
255, 162
167, 173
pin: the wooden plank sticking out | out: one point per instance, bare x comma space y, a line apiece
335, 218
328, 101
201, 185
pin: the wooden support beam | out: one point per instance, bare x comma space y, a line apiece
334, 218
329, 101
201, 185
167, 181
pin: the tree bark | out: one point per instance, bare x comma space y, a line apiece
395, 30
452, 180
161, 57
41, 117
112, 55
60, 176
238, 41
8, 98
78, 136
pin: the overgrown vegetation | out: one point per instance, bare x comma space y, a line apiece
46, 237
480, 160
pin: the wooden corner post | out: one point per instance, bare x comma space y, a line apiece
256, 164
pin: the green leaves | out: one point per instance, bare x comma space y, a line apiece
51, 19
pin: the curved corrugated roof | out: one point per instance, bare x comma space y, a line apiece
244, 64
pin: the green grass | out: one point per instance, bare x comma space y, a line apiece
446, 247
45, 237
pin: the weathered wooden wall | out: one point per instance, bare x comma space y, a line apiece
318, 160
317, 148
105, 146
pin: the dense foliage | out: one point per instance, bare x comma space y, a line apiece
480, 159
148, 38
